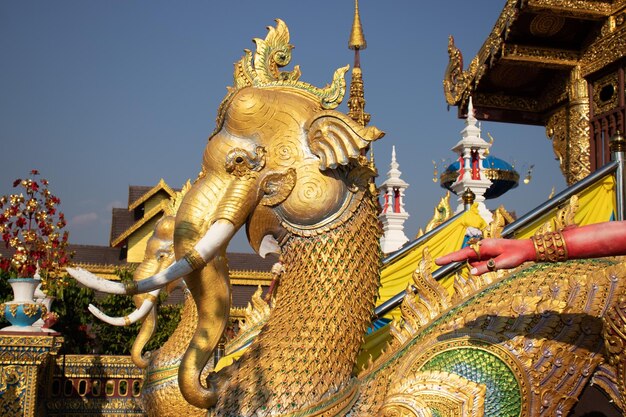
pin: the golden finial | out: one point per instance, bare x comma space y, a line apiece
468, 197
357, 39
356, 101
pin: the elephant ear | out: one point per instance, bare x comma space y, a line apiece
337, 139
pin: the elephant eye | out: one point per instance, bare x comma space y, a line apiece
242, 163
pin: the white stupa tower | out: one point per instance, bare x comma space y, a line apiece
393, 214
472, 150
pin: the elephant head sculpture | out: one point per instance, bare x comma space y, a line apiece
281, 162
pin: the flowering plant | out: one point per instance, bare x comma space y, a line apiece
31, 227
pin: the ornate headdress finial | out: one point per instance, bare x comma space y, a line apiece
262, 70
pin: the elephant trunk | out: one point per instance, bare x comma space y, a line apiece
211, 293
143, 337
229, 202
147, 268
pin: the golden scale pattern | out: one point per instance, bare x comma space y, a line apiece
542, 300
160, 393
561, 305
323, 307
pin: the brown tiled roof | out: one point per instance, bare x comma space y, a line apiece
101, 255
242, 294
155, 211
161, 187
88, 254
135, 192
250, 262
121, 220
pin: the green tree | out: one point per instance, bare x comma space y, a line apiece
84, 334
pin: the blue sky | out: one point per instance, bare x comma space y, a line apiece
101, 95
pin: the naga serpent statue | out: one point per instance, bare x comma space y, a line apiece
291, 168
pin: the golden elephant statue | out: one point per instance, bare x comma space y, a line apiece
291, 169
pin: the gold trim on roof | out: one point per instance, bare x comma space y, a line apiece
542, 57
102, 270
251, 281
237, 313
146, 217
496, 174
459, 83
161, 185
493, 174
237, 276
589, 9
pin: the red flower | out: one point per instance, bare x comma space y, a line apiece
5, 264
30, 224
30, 270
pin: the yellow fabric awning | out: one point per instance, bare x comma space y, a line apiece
395, 277
596, 204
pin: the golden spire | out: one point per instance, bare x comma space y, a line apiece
356, 101
357, 39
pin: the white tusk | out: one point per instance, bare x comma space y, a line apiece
133, 317
218, 234
96, 283
268, 245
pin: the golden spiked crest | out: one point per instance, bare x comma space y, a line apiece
262, 70
173, 204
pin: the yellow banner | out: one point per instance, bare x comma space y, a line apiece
595, 205
396, 276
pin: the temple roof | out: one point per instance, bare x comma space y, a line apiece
139, 199
121, 220
155, 211
521, 72
125, 221
135, 192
